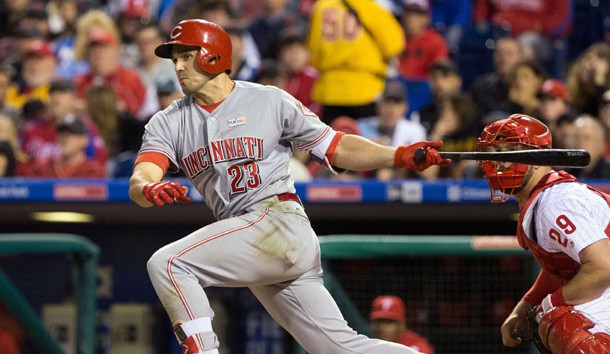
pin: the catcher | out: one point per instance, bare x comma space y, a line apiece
566, 226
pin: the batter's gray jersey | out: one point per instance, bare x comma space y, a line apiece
238, 154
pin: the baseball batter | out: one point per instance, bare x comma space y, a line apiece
234, 140
566, 226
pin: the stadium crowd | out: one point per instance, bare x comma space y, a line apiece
79, 78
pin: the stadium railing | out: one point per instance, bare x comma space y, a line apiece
457, 289
83, 256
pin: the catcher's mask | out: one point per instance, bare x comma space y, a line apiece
517, 132
214, 55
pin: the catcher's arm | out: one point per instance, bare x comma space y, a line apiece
531, 333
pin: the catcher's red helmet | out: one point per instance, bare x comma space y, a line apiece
214, 55
517, 129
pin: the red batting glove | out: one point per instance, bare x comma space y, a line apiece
161, 193
404, 156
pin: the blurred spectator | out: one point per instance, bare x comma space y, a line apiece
451, 117
39, 66
63, 18
6, 73
12, 48
31, 25
491, 89
103, 54
36, 16
241, 67
250, 9
555, 110
589, 77
10, 134
88, 22
152, 69
604, 117
293, 59
445, 81
270, 74
12, 335
131, 16
70, 160
122, 133
589, 133
11, 12
524, 86
267, 27
24, 13
351, 48
388, 321
8, 162
391, 127
456, 127
221, 13
39, 134
33, 109
120, 130
449, 17
549, 18
424, 45
167, 92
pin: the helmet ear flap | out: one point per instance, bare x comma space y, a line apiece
208, 62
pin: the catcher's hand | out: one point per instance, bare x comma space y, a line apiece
405, 155
161, 193
532, 331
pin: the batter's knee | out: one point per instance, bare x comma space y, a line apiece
157, 263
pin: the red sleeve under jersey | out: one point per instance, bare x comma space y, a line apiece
544, 285
154, 157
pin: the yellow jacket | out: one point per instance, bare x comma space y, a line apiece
16, 99
351, 60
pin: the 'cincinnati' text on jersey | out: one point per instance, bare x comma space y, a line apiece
229, 149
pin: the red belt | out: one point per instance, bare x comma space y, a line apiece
284, 197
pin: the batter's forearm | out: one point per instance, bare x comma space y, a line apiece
356, 153
143, 173
136, 185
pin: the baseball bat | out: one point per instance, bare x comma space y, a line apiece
540, 157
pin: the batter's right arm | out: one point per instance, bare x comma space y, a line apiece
143, 173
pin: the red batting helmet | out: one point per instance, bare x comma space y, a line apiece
517, 129
214, 56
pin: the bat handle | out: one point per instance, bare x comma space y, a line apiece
420, 155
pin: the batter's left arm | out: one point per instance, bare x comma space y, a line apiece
356, 153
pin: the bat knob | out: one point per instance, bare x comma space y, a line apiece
420, 155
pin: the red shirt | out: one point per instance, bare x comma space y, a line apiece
415, 341
420, 52
300, 84
39, 142
55, 169
125, 82
550, 17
